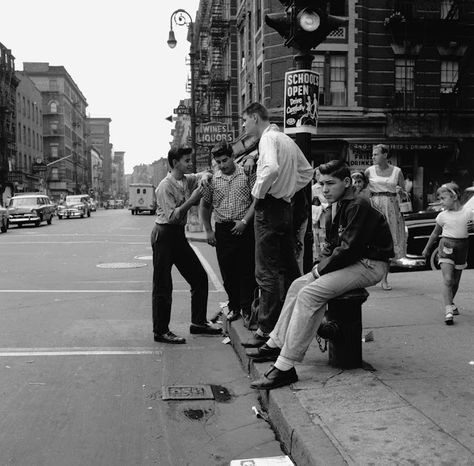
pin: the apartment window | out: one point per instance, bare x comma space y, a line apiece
24, 134
28, 104
242, 48
337, 84
258, 14
449, 76
19, 132
338, 7
24, 107
332, 70
405, 82
259, 84
53, 107
448, 9
54, 152
29, 137
249, 32
53, 85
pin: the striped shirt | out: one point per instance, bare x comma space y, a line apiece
229, 195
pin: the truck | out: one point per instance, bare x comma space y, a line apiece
142, 198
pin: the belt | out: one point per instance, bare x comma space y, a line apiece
385, 193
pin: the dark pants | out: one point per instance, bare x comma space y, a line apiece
170, 247
236, 257
276, 265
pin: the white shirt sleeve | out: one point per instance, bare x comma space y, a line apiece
267, 166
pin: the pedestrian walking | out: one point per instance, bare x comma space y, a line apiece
452, 225
356, 254
282, 170
176, 194
229, 196
385, 182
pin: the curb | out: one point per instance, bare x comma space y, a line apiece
302, 439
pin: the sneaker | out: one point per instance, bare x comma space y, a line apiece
448, 318
455, 310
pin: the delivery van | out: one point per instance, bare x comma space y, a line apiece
141, 198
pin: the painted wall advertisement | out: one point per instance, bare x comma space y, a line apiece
301, 102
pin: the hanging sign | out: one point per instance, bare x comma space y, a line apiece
301, 101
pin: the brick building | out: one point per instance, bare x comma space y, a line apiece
29, 137
64, 129
99, 138
8, 85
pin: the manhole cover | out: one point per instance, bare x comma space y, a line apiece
187, 392
121, 265
144, 258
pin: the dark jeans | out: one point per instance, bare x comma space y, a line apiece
236, 257
170, 247
276, 265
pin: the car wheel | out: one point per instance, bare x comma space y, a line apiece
60, 217
434, 263
38, 222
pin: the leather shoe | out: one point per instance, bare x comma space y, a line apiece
275, 378
264, 353
255, 342
232, 315
204, 329
169, 337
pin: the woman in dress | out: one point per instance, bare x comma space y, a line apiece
385, 182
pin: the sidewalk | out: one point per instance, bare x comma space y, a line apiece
415, 407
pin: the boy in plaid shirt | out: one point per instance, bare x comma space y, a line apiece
229, 195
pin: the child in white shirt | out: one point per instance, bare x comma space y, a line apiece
452, 225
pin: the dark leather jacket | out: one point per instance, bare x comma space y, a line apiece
358, 231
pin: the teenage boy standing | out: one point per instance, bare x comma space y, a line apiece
176, 194
229, 195
282, 170
356, 255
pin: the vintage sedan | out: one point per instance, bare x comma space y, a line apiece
30, 208
419, 226
3, 219
75, 206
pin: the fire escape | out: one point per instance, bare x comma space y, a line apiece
219, 73
449, 27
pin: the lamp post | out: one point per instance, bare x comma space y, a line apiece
181, 17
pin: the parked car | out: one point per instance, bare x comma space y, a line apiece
419, 226
110, 204
30, 208
75, 206
3, 219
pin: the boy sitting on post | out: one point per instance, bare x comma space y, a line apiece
356, 255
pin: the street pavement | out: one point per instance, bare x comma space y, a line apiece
81, 375
413, 403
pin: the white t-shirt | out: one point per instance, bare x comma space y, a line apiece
454, 222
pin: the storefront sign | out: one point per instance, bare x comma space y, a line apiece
39, 167
209, 134
360, 156
301, 102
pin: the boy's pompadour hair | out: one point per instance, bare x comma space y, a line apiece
337, 168
177, 153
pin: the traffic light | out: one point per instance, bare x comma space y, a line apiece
304, 24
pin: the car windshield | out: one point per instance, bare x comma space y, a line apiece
74, 199
23, 201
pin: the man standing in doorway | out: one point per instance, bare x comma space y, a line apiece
282, 170
176, 194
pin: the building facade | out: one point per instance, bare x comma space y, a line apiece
99, 138
64, 129
29, 160
8, 85
97, 184
398, 72
118, 175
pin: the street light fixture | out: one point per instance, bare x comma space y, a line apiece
181, 17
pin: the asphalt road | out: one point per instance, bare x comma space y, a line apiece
81, 376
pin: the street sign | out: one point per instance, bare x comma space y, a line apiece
301, 102
209, 134
39, 167
181, 110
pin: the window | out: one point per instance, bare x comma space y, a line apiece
242, 48
337, 82
53, 85
258, 14
29, 137
24, 107
449, 76
28, 104
144, 190
332, 70
53, 107
405, 82
138, 191
19, 132
54, 152
249, 32
259, 84
449, 10
338, 7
